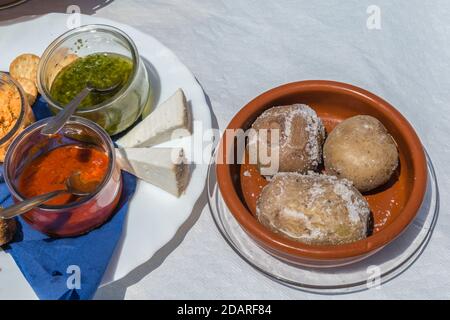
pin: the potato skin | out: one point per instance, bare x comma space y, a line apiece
313, 209
361, 150
302, 135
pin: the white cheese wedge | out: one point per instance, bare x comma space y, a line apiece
165, 168
171, 120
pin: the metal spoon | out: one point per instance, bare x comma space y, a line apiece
55, 124
74, 186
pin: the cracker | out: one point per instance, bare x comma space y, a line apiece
29, 88
25, 66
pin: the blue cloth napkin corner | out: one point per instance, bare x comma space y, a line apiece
66, 268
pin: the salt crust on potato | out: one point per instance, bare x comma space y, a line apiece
29, 88
313, 209
301, 135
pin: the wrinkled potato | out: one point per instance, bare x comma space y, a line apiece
29, 89
361, 150
301, 136
314, 209
55, 69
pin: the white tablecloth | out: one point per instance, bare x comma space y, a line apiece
239, 48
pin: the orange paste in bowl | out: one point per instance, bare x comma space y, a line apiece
49, 171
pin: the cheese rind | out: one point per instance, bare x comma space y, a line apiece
165, 168
171, 120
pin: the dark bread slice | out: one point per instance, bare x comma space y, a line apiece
8, 229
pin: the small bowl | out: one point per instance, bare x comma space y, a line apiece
393, 205
77, 217
124, 108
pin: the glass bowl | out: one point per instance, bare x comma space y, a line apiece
123, 109
25, 115
76, 217
393, 206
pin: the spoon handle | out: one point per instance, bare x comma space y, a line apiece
54, 125
27, 205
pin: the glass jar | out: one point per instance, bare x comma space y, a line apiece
77, 217
124, 108
23, 116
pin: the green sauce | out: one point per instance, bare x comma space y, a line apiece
101, 70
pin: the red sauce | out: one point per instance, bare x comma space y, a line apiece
49, 171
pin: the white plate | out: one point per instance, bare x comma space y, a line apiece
154, 216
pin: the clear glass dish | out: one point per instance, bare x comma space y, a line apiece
115, 114
76, 217
383, 266
24, 119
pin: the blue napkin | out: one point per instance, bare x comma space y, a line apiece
67, 268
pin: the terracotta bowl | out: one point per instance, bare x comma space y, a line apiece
393, 205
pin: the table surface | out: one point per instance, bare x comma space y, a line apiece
239, 49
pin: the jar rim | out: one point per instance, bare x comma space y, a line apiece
77, 31
99, 131
23, 105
